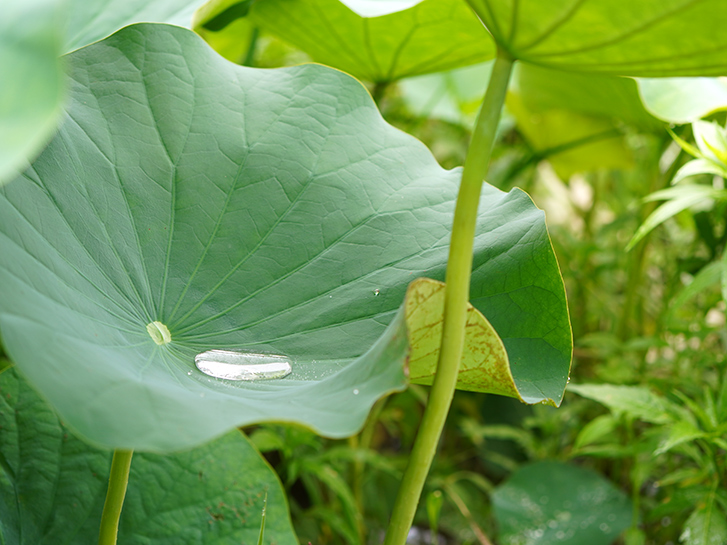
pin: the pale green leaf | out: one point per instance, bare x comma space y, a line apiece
32, 86
598, 428
708, 277
711, 139
697, 167
453, 96
633, 401
683, 100
682, 431
706, 525
678, 199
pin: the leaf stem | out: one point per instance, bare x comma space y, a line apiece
459, 268
118, 479
249, 58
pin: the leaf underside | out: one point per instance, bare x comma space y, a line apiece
650, 38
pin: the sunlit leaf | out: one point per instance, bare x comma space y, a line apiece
664, 38
683, 100
485, 366
678, 199
633, 401
706, 525
376, 8
698, 167
432, 36
680, 432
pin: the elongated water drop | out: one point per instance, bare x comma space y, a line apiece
231, 365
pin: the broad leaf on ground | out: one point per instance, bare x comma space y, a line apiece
432, 36
53, 486
665, 38
550, 502
257, 210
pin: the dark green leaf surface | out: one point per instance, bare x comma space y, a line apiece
551, 502
52, 486
432, 36
645, 38
258, 210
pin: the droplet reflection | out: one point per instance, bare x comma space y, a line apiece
231, 365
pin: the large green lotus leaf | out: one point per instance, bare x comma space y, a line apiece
256, 210
683, 100
32, 86
550, 502
432, 36
645, 38
52, 485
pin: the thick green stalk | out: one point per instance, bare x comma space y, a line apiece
118, 479
459, 268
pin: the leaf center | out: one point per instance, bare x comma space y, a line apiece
159, 333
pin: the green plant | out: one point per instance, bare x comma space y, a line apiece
187, 204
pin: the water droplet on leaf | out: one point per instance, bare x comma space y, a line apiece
231, 365
355, 392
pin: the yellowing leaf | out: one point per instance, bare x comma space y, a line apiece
485, 366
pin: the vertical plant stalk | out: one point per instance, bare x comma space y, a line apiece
249, 58
118, 479
456, 297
